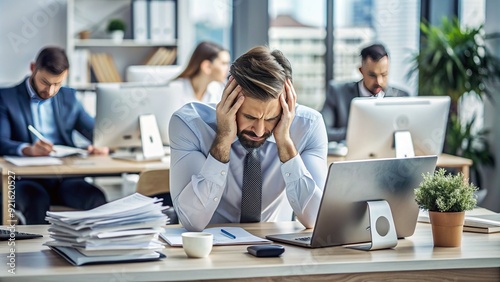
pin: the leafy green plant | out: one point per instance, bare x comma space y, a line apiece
445, 192
461, 141
454, 61
116, 24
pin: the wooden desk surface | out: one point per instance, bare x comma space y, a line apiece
444, 161
415, 258
74, 166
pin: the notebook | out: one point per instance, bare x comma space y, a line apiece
342, 218
239, 236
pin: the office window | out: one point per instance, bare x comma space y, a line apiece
472, 14
358, 23
205, 21
297, 28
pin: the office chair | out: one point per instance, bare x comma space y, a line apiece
156, 183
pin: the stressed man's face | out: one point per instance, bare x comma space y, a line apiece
375, 74
256, 120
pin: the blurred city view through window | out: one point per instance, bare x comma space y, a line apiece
298, 28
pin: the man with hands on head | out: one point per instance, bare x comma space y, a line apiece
41, 101
210, 144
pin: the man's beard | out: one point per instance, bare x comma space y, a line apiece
250, 143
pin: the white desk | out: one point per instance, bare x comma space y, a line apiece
93, 165
413, 259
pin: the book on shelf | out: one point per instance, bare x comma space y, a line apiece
104, 68
488, 223
140, 20
80, 68
173, 236
162, 20
161, 56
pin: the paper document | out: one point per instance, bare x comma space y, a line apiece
33, 161
76, 258
242, 237
61, 151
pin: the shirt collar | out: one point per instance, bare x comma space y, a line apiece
31, 91
363, 92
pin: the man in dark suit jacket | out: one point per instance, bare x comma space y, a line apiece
39, 100
375, 71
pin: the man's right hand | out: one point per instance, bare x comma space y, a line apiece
39, 148
227, 129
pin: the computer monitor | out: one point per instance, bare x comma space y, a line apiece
345, 215
152, 74
119, 106
379, 127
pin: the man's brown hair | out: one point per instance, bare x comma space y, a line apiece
261, 73
53, 60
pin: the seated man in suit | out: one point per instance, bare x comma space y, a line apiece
239, 160
40, 101
375, 71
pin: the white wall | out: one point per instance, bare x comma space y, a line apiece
27, 26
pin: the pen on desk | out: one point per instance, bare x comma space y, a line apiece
227, 234
38, 134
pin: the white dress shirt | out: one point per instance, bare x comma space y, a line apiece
206, 191
363, 92
213, 93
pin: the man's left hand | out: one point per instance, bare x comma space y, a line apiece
285, 144
97, 151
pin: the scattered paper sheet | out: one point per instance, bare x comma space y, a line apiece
33, 161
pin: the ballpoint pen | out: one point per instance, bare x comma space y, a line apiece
38, 134
224, 232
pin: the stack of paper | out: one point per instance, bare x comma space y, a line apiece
124, 230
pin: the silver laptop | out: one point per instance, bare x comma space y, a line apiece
342, 217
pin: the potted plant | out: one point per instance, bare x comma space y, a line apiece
454, 61
446, 197
116, 27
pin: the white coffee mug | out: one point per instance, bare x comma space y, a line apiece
197, 244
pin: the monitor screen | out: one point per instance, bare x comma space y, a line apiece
119, 106
373, 123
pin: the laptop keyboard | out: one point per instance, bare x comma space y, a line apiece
5, 235
304, 238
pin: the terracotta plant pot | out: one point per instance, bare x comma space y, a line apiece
447, 228
84, 34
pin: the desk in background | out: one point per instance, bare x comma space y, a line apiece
74, 166
444, 161
413, 259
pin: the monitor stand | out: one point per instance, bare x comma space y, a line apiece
382, 228
403, 144
151, 143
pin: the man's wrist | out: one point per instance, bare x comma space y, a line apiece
286, 150
220, 150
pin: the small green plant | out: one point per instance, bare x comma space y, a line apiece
116, 24
445, 192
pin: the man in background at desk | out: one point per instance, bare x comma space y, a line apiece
238, 161
40, 101
375, 71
